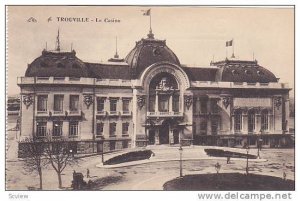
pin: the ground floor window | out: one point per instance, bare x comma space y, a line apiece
125, 144
112, 145
41, 129
57, 128
99, 129
264, 120
73, 128
238, 121
214, 127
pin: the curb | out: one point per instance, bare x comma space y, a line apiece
166, 160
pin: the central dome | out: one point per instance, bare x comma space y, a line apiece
147, 52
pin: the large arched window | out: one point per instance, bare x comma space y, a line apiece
251, 121
163, 94
264, 120
238, 121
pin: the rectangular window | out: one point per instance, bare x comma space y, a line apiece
125, 127
203, 127
264, 121
42, 103
214, 127
112, 145
100, 104
203, 106
113, 105
112, 129
99, 131
41, 129
163, 103
58, 103
74, 101
125, 144
175, 104
125, 106
73, 128
238, 121
57, 128
214, 106
251, 121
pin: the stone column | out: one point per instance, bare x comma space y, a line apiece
156, 102
171, 136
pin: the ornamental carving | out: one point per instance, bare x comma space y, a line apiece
27, 100
88, 100
164, 85
277, 102
226, 101
141, 101
188, 101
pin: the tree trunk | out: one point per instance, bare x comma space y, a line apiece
59, 180
41, 178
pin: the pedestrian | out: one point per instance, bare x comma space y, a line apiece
87, 173
228, 159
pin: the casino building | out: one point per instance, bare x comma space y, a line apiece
150, 98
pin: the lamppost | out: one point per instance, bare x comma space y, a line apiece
180, 160
247, 167
259, 143
102, 153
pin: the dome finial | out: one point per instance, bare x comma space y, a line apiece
57, 48
148, 13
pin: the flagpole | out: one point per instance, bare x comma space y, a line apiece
232, 49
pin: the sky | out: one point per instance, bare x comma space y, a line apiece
195, 34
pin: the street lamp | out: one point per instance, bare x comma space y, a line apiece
180, 160
102, 154
259, 143
247, 167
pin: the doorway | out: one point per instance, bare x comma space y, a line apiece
151, 137
176, 136
164, 133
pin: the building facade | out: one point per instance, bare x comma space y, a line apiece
150, 98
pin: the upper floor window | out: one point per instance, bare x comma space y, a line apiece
41, 129
214, 127
264, 120
58, 103
125, 105
175, 103
100, 104
74, 102
73, 128
113, 105
163, 103
42, 103
151, 103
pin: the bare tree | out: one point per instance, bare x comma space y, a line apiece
60, 155
32, 151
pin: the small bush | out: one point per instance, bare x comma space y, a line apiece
231, 154
128, 157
